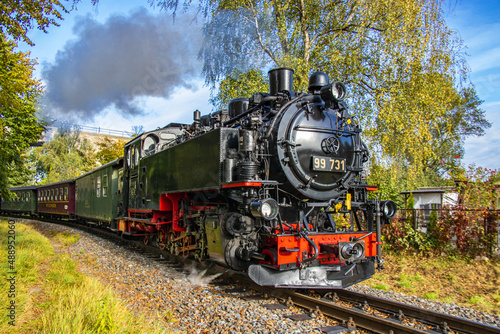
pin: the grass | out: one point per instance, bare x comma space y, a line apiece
65, 238
52, 296
462, 281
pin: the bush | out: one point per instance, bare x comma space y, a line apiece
457, 232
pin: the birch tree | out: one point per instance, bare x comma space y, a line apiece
405, 70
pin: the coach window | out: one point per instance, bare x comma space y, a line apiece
60, 194
51, 194
66, 193
28, 196
56, 197
98, 186
104, 186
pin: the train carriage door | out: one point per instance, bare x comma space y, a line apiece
119, 194
133, 154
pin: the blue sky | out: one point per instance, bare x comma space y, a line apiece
476, 22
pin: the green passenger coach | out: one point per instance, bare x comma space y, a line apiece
98, 194
24, 203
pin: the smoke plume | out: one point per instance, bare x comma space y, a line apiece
111, 64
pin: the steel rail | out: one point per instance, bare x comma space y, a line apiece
456, 324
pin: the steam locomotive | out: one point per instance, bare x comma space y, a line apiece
261, 187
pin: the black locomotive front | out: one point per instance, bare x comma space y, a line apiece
258, 187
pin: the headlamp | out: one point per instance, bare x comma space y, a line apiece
266, 208
388, 209
333, 92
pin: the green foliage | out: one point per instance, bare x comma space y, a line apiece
18, 17
430, 295
65, 157
381, 286
401, 236
431, 226
18, 97
478, 186
109, 149
239, 85
389, 179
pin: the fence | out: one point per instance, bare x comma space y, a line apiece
100, 130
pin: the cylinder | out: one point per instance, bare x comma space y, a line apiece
247, 170
280, 79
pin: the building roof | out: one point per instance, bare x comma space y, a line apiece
429, 190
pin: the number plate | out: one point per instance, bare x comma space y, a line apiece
328, 164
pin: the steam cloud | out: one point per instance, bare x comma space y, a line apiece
196, 277
116, 62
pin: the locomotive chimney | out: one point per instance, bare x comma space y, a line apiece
280, 79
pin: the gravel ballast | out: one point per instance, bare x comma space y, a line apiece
192, 305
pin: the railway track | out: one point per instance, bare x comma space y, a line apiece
354, 310
378, 315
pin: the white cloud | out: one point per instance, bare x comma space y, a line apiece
483, 151
486, 60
